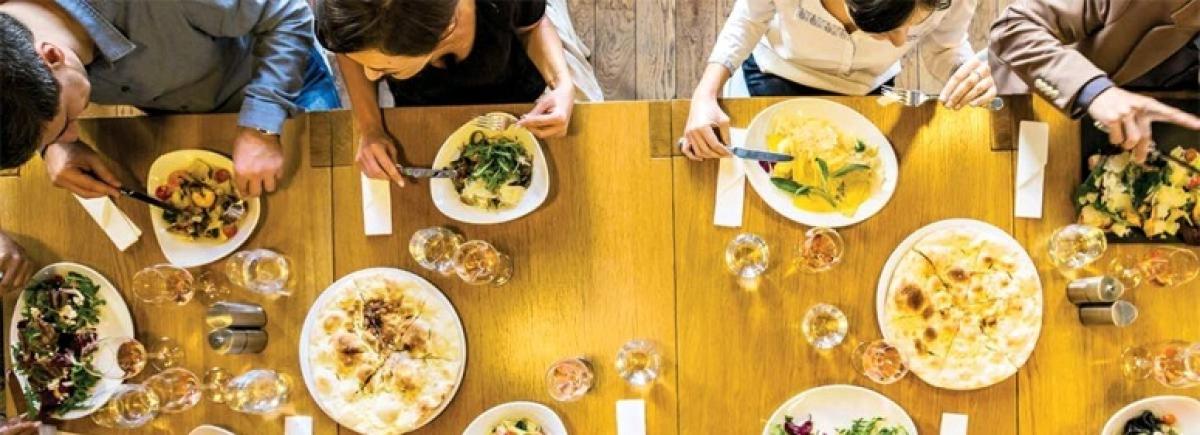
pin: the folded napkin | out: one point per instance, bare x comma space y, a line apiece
298, 425
631, 417
731, 186
112, 220
954, 424
1032, 152
377, 206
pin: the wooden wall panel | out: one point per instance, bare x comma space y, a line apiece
655, 78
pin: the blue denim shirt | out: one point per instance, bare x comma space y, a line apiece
199, 55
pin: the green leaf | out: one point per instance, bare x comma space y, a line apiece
792, 187
859, 146
850, 168
824, 168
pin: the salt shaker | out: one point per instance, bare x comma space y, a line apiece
1094, 289
224, 314
1119, 313
237, 341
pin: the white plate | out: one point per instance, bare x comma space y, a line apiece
180, 250
837, 406
539, 413
310, 322
447, 200
849, 121
208, 429
115, 321
889, 269
1186, 410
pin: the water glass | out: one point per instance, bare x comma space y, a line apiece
261, 271
1074, 246
129, 407
747, 256
569, 379
479, 263
213, 384
1127, 269
210, 285
163, 352
259, 391
117, 358
433, 248
824, 326
177, 389
639, 362
163, 283
878, 361
1173, 363
821, 250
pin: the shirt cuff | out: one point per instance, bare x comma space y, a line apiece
261, 115
1089, 92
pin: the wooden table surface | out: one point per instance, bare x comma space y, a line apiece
625, 248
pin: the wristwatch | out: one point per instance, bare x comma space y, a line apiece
266, 132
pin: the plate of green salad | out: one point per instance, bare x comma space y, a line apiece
840, 410
64, 308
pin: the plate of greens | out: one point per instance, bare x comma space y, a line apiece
500, 175
840, 410
64, 308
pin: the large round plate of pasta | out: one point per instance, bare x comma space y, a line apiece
962, 301
844, 170
382, 351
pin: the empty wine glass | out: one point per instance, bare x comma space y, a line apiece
215, 379
177, 389
478, 263
878, 361
747, 257
1127, 269
163, 283
1074, 246
821, 249
1170, 266
639, 362
129, 407
433, 248
824, 326
258, 391
210, 285
116, 358
569, 379
261, 271
1173, 363
163, 352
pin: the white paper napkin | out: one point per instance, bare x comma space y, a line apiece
298, 425
377, 206
631, 417
954, 424
1032, 152
112, 220
731, 186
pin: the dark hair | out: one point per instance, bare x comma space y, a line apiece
882, 16
394, 27
28, 94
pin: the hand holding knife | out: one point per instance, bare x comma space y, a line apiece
749, 154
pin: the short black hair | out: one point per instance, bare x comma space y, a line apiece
28, 94
882, 16
394, 27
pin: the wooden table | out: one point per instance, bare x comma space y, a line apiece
625, 248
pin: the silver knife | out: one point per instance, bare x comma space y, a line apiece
427, 172
147, 199
765, 156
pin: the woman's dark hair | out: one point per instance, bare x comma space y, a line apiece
394, 27
28, 94
882, 16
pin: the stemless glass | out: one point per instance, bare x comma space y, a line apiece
163, 283
1173, 363
261, 271
479, 263
747, 257
258, 391
569, 379
163, 352
878, 361
821, 250
131, 406
824, 326
177, 389
1074, 246
116, 358
639, 362
433, 248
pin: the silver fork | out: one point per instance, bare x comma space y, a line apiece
914, 97
496, 121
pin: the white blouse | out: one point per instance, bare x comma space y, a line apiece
801, 41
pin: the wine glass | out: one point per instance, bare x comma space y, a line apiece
163, 283
163, 352
1127, 269
639, 362
258, 391
1173, 363
213, 384
1170, 266
211, 286
569, 379
177, 389
824, 326
478, 263
129, 407
879, 361
433, 248
747, 257
821, 249
261, 271
116, 358
1075, 246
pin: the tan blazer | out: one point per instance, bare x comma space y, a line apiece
1057, 46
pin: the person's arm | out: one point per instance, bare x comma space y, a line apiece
946, 47
376, 155
551, 116
15, 267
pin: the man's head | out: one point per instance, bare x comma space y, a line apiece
43, 88
388, 37
891, 19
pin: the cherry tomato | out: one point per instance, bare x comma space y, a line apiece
1167, 419
163, 192
1193, 182
221, 176
1190, 155
230, 231
176, 178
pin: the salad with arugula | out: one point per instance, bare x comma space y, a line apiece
58, 322
492, 172
860, 426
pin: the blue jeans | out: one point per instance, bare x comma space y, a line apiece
319, 92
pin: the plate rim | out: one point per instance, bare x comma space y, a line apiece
310, 320
908, 422
893, 260
1145, 401
479, 420
755, 174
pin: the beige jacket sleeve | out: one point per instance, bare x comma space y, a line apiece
1032, 37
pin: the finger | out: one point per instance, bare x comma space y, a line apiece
955, 84
1165, 113
7, 280
1116, 132
370, 167
686, 148
101, 170
83, 184
254, 186
981, 88
388, 165
714, 142
269, 183
25, 275
1142, 149
12, 269
545, 120
699, 146
988, 95
543, 105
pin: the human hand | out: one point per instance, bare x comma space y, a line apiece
971, 84
551, 115
377, 156
257, 162
1127, 117
80, 169
15, 267
17, 427
699, 140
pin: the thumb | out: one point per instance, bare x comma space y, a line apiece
543, 105
101, 170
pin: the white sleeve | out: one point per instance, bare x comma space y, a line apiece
745, 27
946, 47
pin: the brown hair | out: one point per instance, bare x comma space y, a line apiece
394, 27
28, 94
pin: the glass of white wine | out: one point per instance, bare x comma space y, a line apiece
1075, 246
479, 263
878, 361
163, 352
116, 358
824, 326
433, 248
821, 249
215, 379
178, 389
261, 271
163, 283
129, 407
259, 391
639, 362
747, 257
1173, 363
1170, 266
569, 379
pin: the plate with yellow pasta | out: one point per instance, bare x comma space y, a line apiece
844, 169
